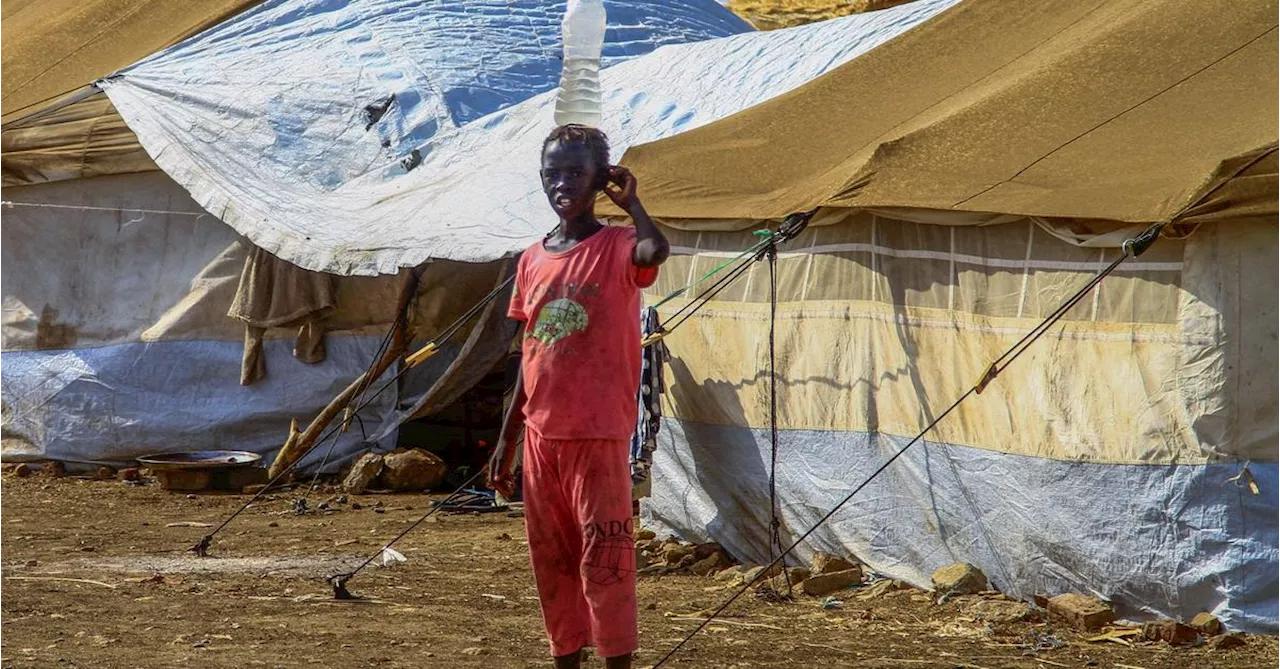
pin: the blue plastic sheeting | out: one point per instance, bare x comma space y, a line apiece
315, 92
263, 120
109, 404
311, 67
1154, 540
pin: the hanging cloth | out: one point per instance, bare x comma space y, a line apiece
274, 293
649, 397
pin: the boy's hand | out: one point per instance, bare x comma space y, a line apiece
500, 476
652, 247
624, 194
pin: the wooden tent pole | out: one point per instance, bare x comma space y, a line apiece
298, 443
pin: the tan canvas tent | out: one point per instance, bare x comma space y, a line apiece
1123, 111
55, 125
971, 175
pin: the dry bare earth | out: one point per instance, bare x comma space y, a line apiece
465, 597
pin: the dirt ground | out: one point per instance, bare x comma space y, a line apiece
464, 598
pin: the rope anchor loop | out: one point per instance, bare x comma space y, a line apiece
201, 549
339, 583
653, 338
993, 370
1139, 245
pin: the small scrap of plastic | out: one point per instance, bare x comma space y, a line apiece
1039, 641
391, 556
832, 603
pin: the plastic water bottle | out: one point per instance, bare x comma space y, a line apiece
578, 100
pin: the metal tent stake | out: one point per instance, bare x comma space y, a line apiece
339, 584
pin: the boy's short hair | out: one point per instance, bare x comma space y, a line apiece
592, 138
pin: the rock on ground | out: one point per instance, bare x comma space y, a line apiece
780, 583
704, 551
960, 578
826, 584
1207, 624
709, 564
673, 553
1000, 611
646, 535
1170, 631
1082, 611
731, 574
363, 472
826, 563
412, 469
882, 588
1227, 641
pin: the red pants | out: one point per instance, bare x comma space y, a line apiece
577, 498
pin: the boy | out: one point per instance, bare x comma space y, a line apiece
578, 293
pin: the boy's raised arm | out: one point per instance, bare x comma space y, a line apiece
652, 247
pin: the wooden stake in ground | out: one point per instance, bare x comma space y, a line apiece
298, 444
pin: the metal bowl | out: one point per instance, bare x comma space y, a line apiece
200, 460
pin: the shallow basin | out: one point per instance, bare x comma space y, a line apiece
200, 460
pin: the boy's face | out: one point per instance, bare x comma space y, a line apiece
568, 178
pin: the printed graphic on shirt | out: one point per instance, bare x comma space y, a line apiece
559, 319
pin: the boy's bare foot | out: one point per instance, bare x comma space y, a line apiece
619, 662
570, 661
574, 660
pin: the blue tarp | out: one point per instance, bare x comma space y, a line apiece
1155, 540
329, 192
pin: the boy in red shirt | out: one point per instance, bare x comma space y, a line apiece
578, 293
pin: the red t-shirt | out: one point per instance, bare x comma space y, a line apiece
581, 361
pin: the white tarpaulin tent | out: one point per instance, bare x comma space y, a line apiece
474, 196
117, 340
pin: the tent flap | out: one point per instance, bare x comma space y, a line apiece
82, 140
53, 47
